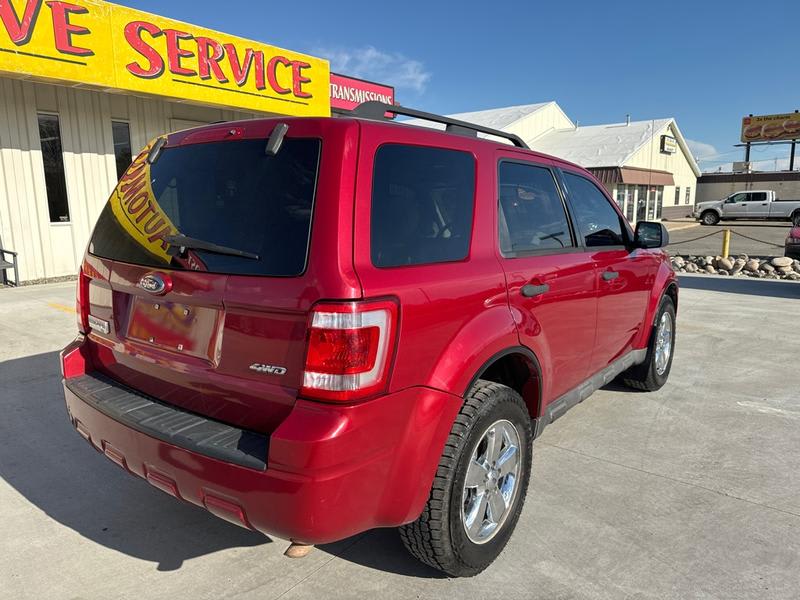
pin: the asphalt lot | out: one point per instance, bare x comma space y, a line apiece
772, 232
690, 492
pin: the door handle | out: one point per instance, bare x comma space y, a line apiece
531, 290
609, 275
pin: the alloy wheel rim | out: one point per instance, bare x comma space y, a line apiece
491, 483
663, 343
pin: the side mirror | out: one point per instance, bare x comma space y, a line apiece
650, 234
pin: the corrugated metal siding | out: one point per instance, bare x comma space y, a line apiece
54, 249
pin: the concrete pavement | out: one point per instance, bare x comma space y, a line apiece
690, 492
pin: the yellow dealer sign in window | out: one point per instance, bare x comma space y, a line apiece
103, 45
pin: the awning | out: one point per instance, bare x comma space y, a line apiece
632, 176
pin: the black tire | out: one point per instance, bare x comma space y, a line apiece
439, 538
709, 218
646, 376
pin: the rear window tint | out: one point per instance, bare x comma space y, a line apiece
422, 205
229, 193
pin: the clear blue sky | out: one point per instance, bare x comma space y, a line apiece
706, 63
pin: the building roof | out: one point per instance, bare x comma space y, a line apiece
496, 118
601, 145
609, 145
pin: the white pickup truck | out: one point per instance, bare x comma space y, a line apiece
751, 205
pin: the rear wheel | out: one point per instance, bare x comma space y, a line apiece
480, 485
653, 373
709, 218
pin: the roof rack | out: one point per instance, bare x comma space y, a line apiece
377, 111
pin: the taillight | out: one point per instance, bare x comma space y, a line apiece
82, 302
350, 348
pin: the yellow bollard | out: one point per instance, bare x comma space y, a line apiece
726, 242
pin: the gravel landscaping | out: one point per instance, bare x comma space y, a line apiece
761, 267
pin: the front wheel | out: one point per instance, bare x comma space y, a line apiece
480, 485
709, 218
653, 373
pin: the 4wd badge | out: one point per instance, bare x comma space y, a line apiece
268, 369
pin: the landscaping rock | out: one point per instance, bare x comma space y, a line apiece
752, 265
781, 268
725, 264
781, 261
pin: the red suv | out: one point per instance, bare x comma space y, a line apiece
313, 327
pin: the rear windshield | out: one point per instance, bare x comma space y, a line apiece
231, 194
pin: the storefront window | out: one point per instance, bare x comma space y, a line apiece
631, 193
641, 203
677, 195
659, 201
122, 146
54, 176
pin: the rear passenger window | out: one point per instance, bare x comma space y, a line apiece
531, 214
596, 220
422, 205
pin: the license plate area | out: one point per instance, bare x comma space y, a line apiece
180, 328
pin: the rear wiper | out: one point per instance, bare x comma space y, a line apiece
185, 242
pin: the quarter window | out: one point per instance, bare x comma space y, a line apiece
532, 216
597, 222
422, 205
54, 175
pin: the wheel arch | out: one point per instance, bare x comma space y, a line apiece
518, 368
666, 284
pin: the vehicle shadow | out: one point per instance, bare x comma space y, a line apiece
738, 285
382, 550
51, 466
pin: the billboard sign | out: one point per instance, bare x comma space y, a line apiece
669, 145
765, 128
349, 92
106, 46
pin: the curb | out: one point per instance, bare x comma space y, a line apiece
687, 226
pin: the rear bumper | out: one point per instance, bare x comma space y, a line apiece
331, 471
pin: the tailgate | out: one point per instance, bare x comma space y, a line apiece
187, 348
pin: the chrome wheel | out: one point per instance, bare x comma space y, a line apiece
491, 482
663, 343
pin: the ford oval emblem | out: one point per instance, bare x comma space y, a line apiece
155, 283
